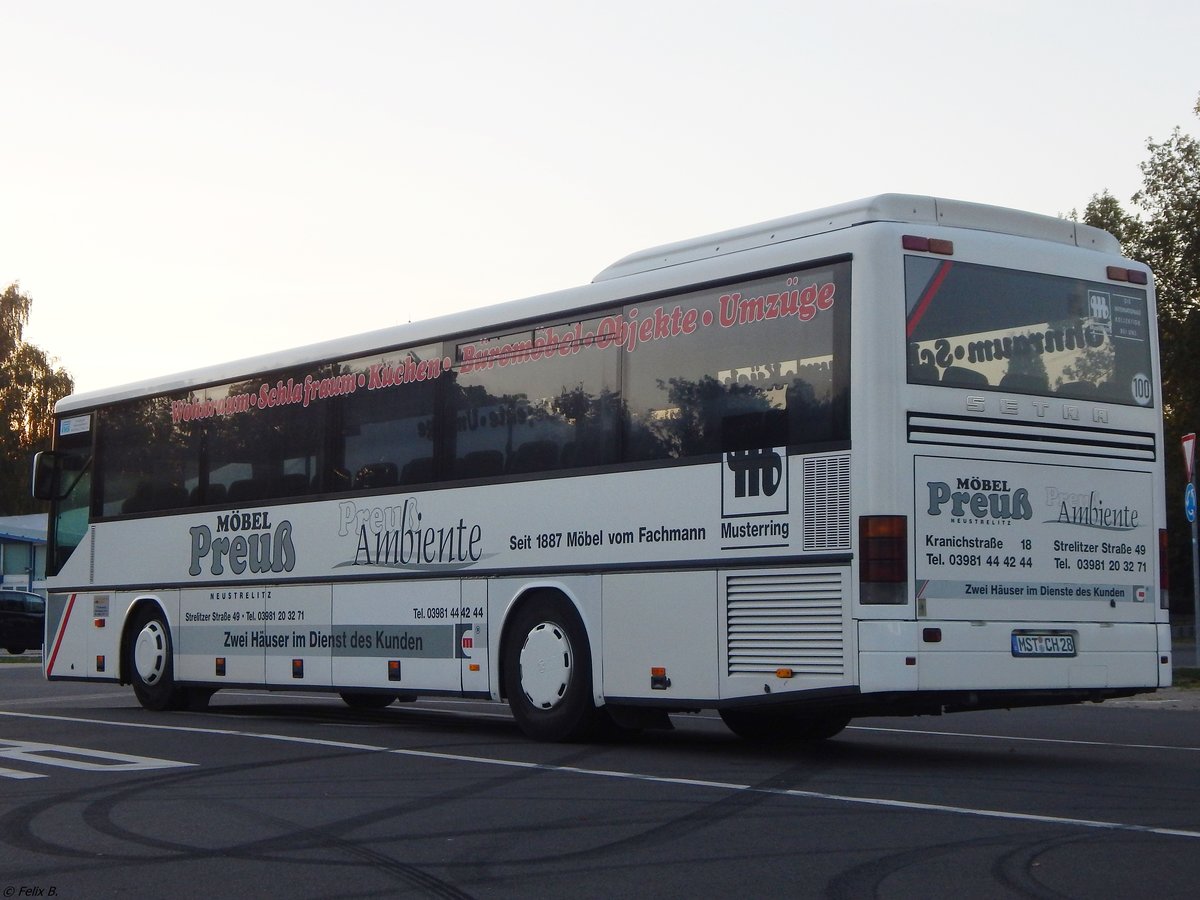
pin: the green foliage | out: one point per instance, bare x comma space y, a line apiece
1168, 240
30, 384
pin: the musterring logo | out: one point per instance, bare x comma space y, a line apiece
755, 471
979, 498
263, 549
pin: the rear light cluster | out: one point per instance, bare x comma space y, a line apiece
927, 245
922, 244
1133, 276
883, 559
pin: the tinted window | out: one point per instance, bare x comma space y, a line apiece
762, 363
532, 401
150, 461
759, 363
384, 435
989, 328
271, 450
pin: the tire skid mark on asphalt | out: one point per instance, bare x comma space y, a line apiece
99, 807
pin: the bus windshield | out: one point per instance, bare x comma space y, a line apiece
988, 328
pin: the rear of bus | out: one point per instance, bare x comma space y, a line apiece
1022, 563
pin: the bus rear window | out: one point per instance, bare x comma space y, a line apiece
987, 328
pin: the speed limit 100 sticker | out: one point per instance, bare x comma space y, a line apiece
1141, 389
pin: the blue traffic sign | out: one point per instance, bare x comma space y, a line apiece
1189, 502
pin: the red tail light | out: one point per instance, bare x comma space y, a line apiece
927, 245
883, 559
1133, 276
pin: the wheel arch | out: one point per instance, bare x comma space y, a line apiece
127, 636
557, 590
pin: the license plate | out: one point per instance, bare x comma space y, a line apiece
1043, 643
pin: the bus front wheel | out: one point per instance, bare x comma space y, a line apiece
548, 671
150, 665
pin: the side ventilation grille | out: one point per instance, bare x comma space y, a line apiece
826, 503
788, 619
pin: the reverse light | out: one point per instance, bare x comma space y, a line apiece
883, 559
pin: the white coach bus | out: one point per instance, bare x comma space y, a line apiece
900, 456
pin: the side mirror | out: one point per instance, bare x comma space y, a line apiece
55, 474
46, 468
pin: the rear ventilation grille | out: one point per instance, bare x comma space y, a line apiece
788, 620
826, 503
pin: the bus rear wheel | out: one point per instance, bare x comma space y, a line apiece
777, 727
149, 661
366, 699
548, 671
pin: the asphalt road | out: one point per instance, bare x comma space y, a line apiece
296, 796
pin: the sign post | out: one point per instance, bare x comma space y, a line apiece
1189, 505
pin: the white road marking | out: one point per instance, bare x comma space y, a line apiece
82, 758
977, 812
1030, 740
13, 773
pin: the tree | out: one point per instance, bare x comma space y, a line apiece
1168, 240
30, 384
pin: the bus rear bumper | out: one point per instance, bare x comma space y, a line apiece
1011, 656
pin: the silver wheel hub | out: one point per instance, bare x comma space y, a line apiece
150, 652
546, 665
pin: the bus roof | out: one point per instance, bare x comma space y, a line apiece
901, 208
881, 208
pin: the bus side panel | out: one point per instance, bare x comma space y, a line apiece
296, 635
411, 623
1165, 666
212, 637
887, 656
662, 620
73, 640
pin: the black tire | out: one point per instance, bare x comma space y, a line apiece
548, 671
17, 650
366, 699
149, 662
773, 727
196, 699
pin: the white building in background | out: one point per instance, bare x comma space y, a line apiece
23, 553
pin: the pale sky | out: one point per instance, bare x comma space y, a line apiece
187, 183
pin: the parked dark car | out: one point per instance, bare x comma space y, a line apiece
22, 620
